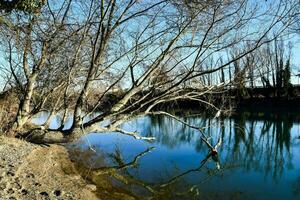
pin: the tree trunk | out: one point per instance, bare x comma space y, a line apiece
24, 108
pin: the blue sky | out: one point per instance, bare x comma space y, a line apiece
295, 59
295, 41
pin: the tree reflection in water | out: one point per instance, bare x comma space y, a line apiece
262, 145
252, 144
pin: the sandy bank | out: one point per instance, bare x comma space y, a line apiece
31, 172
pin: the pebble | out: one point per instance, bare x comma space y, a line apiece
91, 187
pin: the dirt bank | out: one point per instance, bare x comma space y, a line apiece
32, 172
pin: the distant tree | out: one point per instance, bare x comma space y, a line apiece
275, 67
279, 56
239, 78
286, 78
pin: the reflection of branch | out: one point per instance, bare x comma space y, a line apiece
114, 170
133, 163
219, 143
200, 129
186, 172
135, 160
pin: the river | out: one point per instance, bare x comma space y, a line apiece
259, 157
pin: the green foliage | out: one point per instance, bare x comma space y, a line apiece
286, 77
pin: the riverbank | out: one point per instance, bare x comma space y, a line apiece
29, 171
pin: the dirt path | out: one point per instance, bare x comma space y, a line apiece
32, 172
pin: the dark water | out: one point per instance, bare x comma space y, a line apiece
258, 159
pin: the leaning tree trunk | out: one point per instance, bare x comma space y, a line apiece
24, 108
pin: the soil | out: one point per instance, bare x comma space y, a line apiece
29, 171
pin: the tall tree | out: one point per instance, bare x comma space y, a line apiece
148, 51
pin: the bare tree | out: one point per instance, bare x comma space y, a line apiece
149, 52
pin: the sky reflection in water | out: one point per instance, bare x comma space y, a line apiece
259, 157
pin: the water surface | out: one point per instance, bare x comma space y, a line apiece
258, 159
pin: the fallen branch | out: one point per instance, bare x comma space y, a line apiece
134, 134
204, 138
